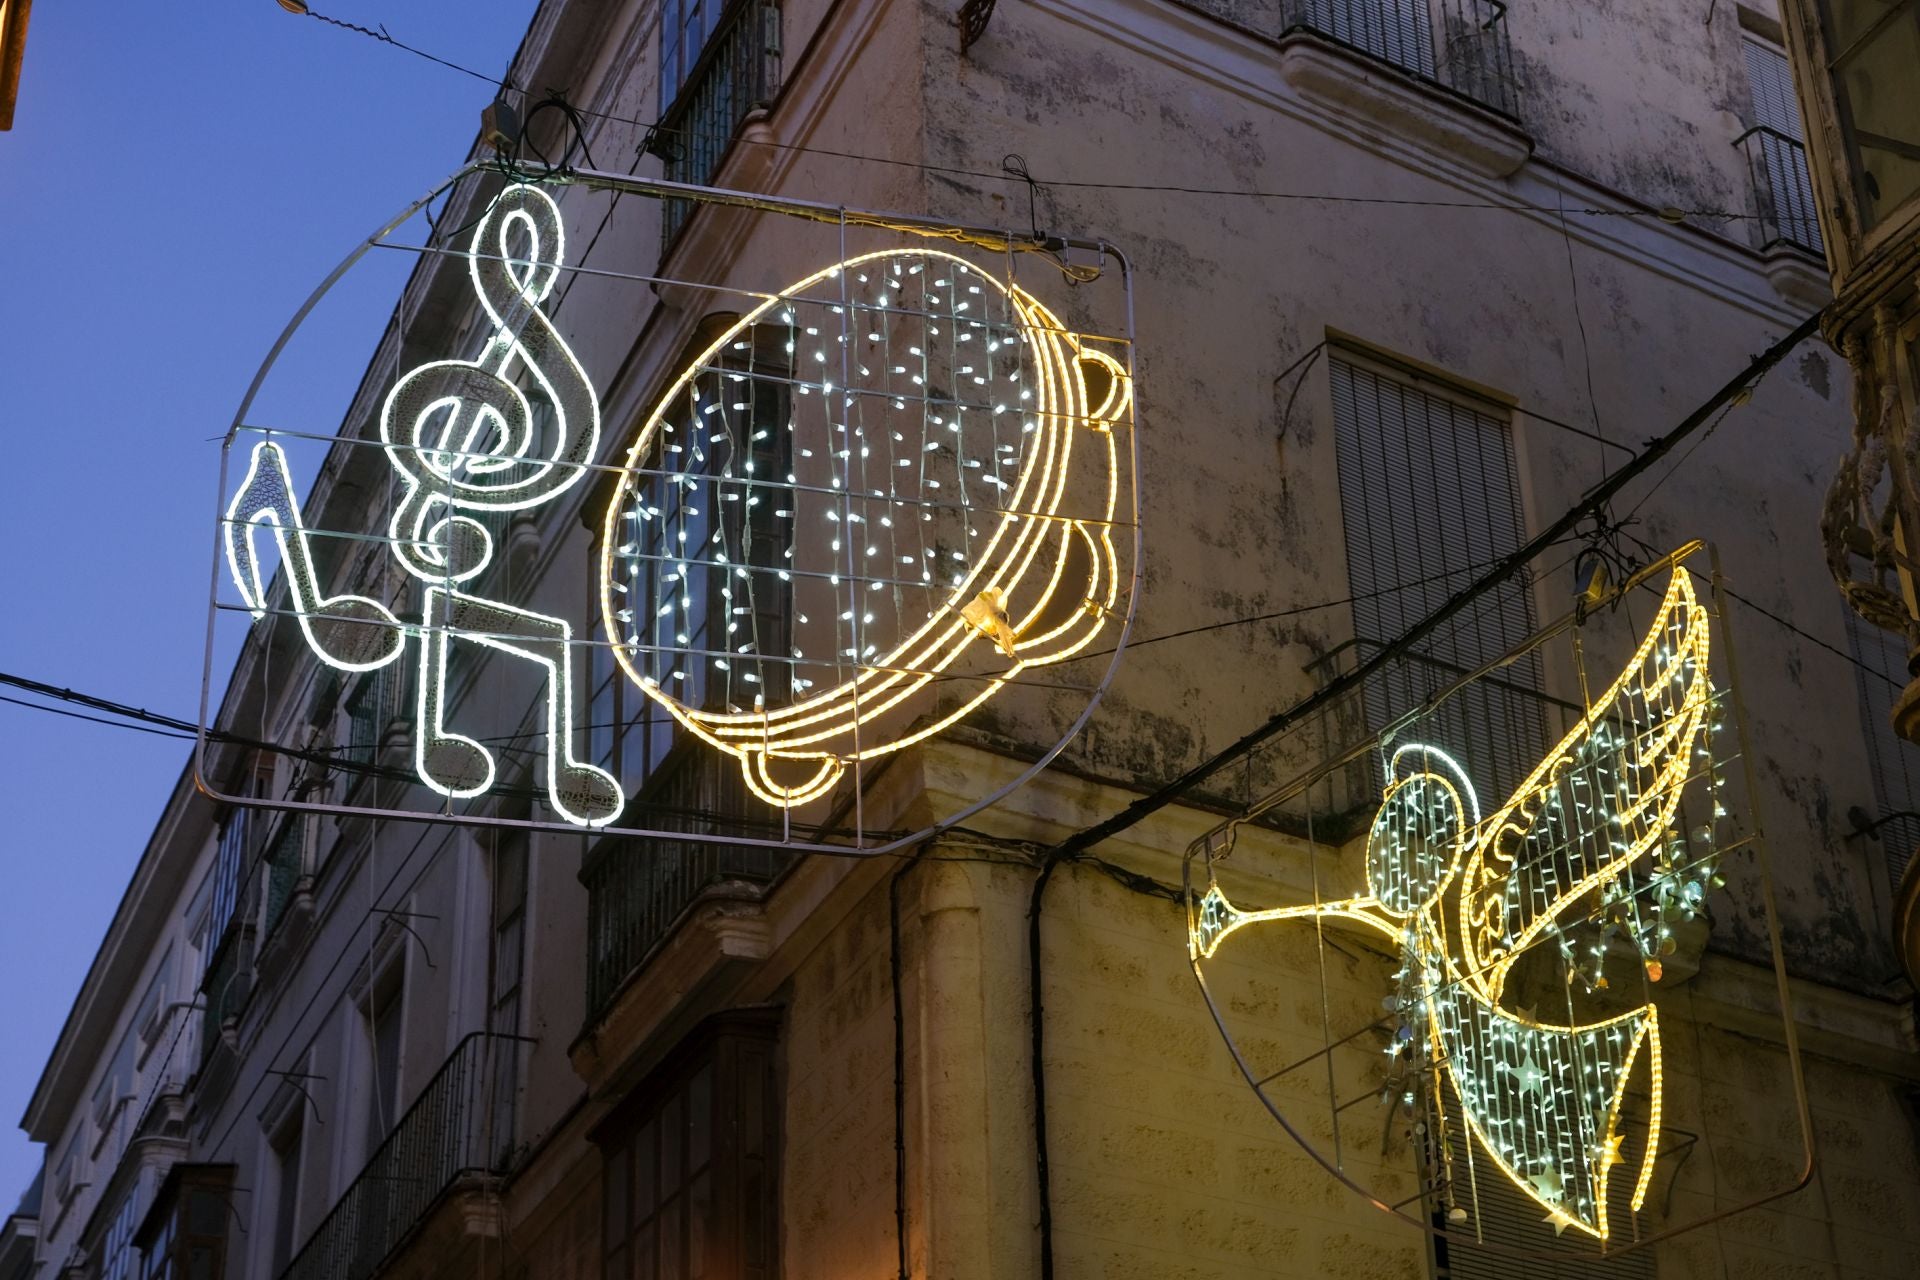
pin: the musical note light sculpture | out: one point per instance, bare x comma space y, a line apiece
893, 478
461, 438
1542, 1099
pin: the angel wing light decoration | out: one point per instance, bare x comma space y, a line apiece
867, 507
1464, 896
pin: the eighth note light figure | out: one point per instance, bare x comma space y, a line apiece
461, 437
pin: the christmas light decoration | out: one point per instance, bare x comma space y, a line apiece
461, 437
1594, 822
896, 476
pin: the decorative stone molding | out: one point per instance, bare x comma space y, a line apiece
1360, 87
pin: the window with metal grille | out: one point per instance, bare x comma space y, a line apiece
741, 613
1430, 496
1775, 149
1895, 762
718, 62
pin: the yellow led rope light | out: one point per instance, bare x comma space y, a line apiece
1481, 922
1468, 1030
795, 732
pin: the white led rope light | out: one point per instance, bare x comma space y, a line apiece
460, 436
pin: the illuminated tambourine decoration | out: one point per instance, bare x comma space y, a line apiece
881, 497
870, 505
1592, 854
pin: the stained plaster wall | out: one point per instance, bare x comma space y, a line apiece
1242, 512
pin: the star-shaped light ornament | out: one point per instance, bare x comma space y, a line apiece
1466, 895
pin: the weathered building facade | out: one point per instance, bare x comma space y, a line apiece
1499, 246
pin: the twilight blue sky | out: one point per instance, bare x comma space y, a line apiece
178, 178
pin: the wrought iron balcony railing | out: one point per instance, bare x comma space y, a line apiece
637, 889
460, 1125
1777, 165
1459, 45
737, 73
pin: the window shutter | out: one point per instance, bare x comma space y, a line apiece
1770, 82
1429, 497
1395, 31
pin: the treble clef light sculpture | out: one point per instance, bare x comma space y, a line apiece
462, 438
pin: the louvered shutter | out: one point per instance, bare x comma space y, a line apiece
1395, 31
1429, 496
1770, 82
1770, 86
1895, 762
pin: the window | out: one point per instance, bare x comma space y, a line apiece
1894, 762
384, 1025
1872, 48
184, 1236
287, 1144
1429, 496
718, 62
711, 502
1775, 150
505, 980
116, 1247
688, 1188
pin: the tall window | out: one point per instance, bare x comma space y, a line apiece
1776, 151
690, 1159
117, 1255
506, 978
287, 1144
1895, 762
184, 1236
1429, 497
1873, 47
384, 1026
708, 493
719, 60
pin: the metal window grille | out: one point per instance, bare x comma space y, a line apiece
1895, 762
1776, 154
730, 71
1429, 495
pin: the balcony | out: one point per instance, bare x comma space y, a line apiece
1460, 46
638, 890
1777, 165
737, 73
459, 1128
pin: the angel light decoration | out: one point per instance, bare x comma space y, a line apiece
462, 440
1464, 897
